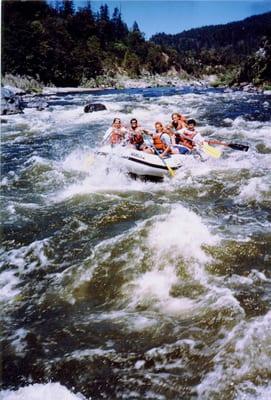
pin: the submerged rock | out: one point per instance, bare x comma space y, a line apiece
91, 107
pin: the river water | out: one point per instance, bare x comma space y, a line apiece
114, 288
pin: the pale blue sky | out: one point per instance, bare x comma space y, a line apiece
174, 16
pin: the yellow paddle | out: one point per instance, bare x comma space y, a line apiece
207, 149
170, 170
211, 151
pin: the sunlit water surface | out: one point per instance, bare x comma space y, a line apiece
114, 288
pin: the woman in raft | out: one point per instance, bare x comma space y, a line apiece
178, 122
164, 141
116, 133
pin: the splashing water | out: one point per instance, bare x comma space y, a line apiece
119, 288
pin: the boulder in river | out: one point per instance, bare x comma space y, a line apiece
14, 90
10, 103
91, 107
35, 102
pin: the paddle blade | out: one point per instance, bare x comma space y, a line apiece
211, 151
237, 146
170, 170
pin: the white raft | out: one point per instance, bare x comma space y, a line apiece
140, 163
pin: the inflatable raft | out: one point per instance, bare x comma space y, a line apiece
139, 163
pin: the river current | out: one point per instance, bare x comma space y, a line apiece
115, 288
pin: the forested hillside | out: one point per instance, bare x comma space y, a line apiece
68, 46
241, 49
63, 45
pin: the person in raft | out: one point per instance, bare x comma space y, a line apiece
190, 137
162, 141
178, 122
116, 133
136, 138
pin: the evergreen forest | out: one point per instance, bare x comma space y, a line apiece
239, 51
59, 44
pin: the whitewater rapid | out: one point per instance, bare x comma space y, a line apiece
118, 288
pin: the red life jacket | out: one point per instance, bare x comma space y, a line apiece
116, 136
186, 142
136, 138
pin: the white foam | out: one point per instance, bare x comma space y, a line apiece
21, 261
36, 160
244, 354
79, 160
177, 235
103, 176
90, 353
249, 391
152, 290
256, 189
8, 283
180, 233
18, 341
47, 391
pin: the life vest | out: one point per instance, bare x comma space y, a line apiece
158, 143
136, 138
116, 136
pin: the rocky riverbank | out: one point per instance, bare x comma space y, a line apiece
20, 93
15, 99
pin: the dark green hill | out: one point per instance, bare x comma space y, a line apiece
220, 48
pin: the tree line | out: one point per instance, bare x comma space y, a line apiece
242, 48
60, 44
65, 46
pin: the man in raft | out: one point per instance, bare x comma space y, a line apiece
136, 138
190, 137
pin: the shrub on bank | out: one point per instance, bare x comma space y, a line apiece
25, 83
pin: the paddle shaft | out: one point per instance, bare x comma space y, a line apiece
170, 170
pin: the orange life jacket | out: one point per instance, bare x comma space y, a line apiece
116, 136
158, 143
